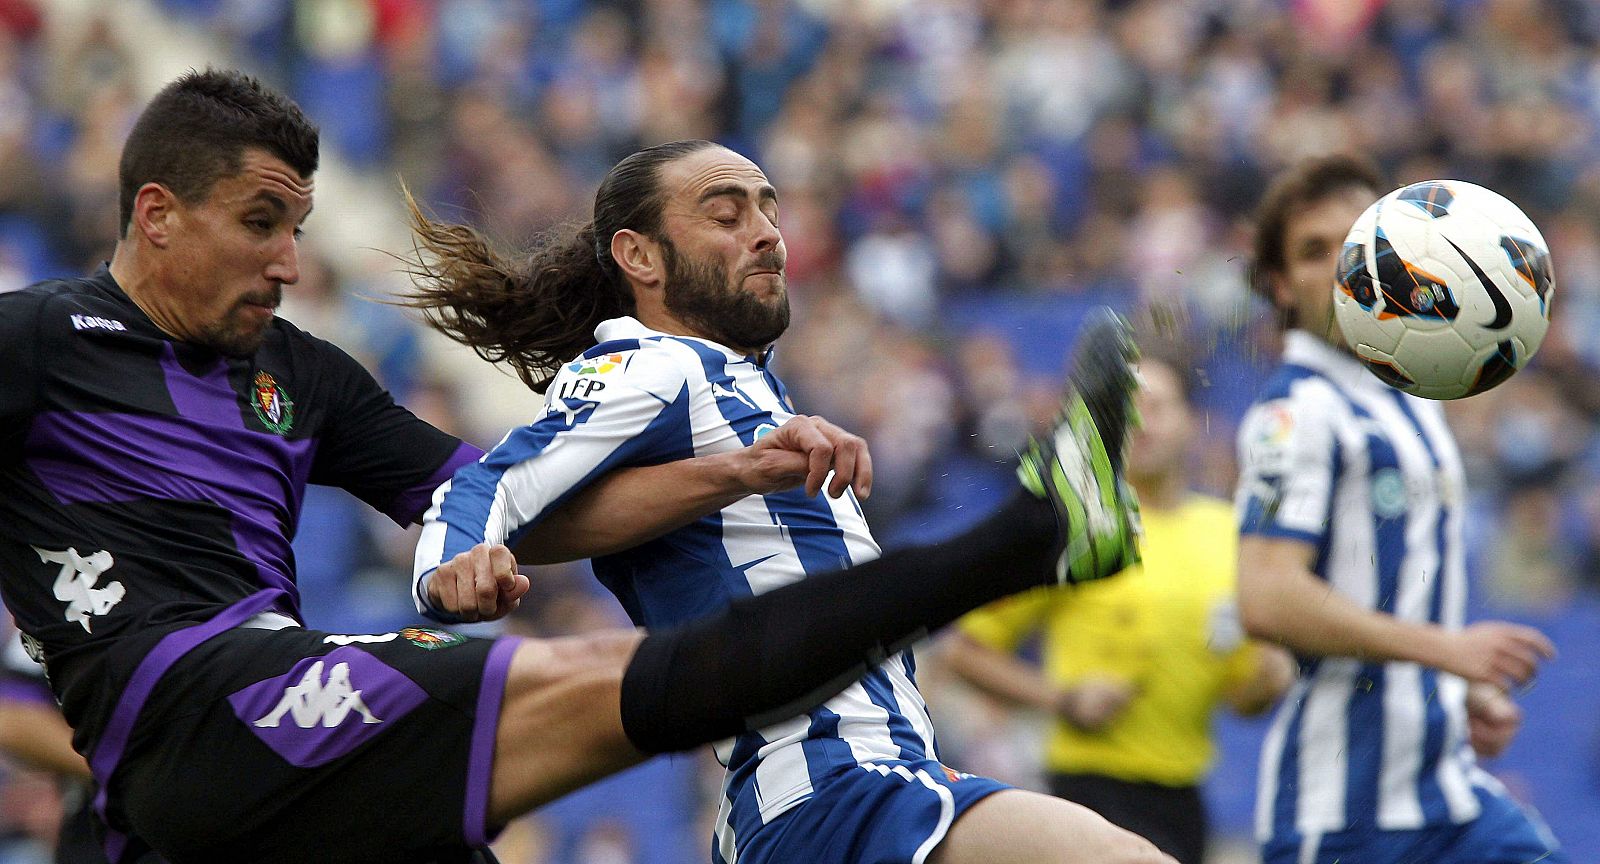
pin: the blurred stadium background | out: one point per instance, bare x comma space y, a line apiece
960, 180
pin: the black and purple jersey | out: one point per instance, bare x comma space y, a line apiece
147, 482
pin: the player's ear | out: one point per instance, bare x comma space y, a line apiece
154, 207
639, 257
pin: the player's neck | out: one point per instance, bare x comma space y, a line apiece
139, 281
1160, 491
663, 321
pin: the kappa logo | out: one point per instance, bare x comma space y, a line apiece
315, 703
95, 322
78, 584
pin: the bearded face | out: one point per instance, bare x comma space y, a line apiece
747, 314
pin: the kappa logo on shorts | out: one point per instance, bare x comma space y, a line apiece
314, 703
78, 584
433, 640
324, 707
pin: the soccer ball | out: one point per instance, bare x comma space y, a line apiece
1444, 289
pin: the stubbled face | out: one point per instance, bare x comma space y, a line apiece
1312, 239
229, 255
724, 255
1159, 447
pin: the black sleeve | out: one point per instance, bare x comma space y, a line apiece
19, 365
376, 449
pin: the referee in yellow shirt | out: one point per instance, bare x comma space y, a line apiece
1133, 666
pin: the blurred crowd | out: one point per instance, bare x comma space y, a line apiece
959, 180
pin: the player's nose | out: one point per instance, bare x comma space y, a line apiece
284, 268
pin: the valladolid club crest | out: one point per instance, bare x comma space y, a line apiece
433, 640
273, 406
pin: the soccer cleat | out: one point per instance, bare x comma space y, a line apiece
1078, 466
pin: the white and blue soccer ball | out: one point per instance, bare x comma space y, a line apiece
1444, 289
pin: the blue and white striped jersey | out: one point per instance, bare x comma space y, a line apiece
1371, 478
642, 397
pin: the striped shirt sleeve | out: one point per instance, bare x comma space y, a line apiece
1287, 461
610, 410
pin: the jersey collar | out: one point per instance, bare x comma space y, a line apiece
628, 327
1303, 349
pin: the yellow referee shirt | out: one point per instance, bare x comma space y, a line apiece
1168, 626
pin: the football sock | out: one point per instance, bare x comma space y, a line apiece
771, 657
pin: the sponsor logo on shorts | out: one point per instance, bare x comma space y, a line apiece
78, 584
273, 406
313, 702
433, 640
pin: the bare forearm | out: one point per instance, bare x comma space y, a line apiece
999, 675
632, 506
1298, 610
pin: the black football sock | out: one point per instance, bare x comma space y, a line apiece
771, 657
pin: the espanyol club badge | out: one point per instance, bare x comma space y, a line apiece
273, 406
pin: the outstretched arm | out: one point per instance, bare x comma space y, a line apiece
481, 583
661, 498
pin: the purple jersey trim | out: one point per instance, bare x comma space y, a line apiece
409, 506
480, 759
108, 751
258, 477
32, 692
208, 397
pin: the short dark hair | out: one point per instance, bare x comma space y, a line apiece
1309, 182
195, 131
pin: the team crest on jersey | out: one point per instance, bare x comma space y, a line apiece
433, 640
273, 406
953, 775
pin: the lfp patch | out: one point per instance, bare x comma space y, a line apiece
596, 365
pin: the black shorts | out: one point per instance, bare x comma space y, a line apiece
1171, 817
299, 745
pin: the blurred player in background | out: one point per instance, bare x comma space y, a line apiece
1351, 501
651, 329
1132, 668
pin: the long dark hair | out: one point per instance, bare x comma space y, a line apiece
539, 308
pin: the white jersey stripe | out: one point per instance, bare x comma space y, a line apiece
1324, 747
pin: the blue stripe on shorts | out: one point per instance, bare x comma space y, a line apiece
893, 811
